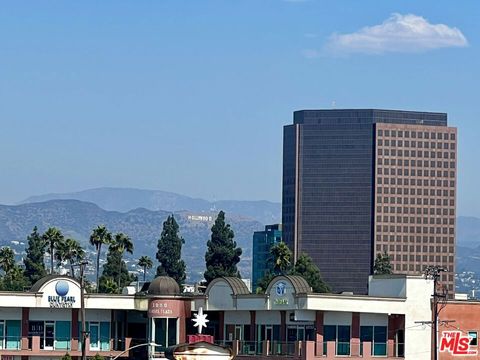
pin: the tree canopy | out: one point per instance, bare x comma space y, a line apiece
13, 278
53, 237
115, 269
34, 260
222, 254
100, 236
310, 272
169, 252
145, 262
304, 267
382, 265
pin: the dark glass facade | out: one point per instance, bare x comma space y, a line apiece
262, 242
329, 188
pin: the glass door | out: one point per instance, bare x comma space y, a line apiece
49, 338
94, 335
238, 332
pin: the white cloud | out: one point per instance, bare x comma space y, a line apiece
399, 33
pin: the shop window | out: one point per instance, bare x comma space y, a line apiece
341, 335
12, 335
62, 335
377, 336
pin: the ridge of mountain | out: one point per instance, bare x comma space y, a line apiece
77, 219
126, 199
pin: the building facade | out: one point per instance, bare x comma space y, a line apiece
290, 320
360, 182
287, 320
262, 242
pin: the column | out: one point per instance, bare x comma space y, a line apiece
221, 325
283, 325
355, 341
25, 319
253, 326
74, 330
319, 332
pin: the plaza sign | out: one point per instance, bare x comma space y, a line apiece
61, 300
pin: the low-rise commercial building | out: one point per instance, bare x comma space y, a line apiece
288, 319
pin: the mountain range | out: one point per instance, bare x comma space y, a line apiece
77, 219
126, 199
140, 214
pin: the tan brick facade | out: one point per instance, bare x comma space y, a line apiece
415, 197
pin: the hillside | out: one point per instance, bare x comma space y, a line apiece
77, 218
126, 199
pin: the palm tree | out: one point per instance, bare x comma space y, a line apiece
7, 259
121, 244
281, 258
146, 263
100, 235
53, 237
110, 286
71, 251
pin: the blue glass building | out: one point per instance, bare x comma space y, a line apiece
262, 242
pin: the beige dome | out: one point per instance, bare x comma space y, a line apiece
163, 285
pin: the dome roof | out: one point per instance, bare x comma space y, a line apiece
163, 285
237, 285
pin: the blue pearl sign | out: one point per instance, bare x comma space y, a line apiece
61, 288
61, 300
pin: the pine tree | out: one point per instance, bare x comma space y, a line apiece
310, 272
169, 252
34, 260
382, 264
222, 254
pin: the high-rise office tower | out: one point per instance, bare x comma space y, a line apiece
360, 182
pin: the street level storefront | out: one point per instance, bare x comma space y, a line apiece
45, 322
289, 320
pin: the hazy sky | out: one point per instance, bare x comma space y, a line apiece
191, 96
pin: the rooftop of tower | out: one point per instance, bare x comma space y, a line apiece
369, 116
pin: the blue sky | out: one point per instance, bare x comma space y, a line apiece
191, 96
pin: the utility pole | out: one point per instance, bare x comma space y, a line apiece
433, 272
82, 309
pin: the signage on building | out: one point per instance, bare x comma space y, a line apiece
61, 299
280, 290
166, 308
457, 344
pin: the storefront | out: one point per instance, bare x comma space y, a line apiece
45, 322
345, 325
